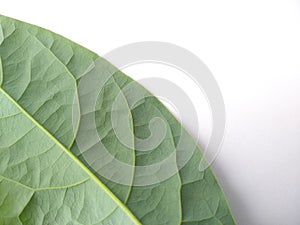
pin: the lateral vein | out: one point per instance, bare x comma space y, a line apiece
44, 188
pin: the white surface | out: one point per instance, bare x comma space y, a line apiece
252, 48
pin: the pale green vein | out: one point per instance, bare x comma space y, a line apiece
16, 182
1, 35
110, 214
76, 160
8, 116
44, 188
197, 221
70, 74
175, 149
54, 56
133, 141
1, 72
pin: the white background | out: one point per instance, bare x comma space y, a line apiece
253, 50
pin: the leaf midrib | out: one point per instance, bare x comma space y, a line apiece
75, 159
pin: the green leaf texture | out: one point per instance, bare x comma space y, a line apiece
44, 176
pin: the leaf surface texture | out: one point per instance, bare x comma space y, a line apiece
46, 179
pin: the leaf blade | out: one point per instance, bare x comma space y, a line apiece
42, 71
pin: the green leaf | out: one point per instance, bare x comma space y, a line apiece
51, 171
